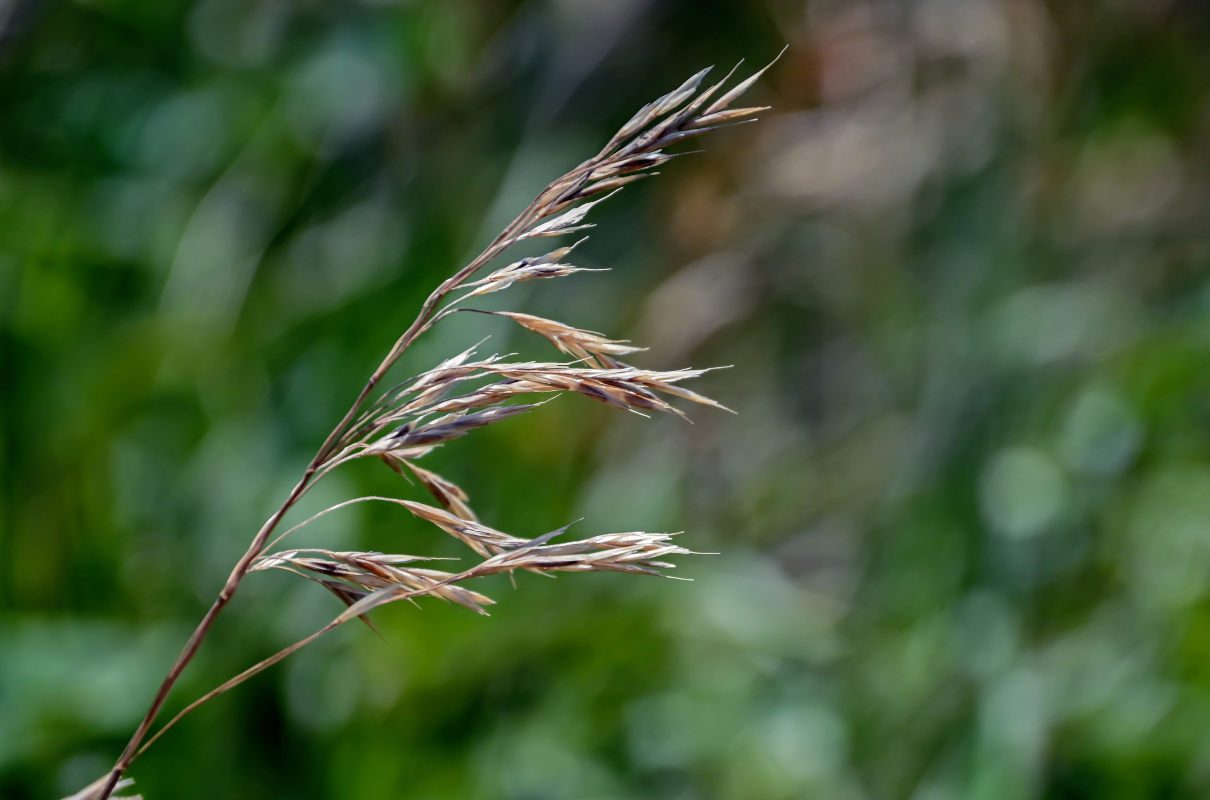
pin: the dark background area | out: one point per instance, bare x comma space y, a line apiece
963, 514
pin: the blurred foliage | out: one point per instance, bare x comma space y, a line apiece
964, 512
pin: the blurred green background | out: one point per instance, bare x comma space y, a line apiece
961, 272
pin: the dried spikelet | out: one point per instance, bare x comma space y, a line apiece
727, 99
501, 279
634, 552
626, 166
624, 387
342, 591
446, 492
712, 120
485, 395
693, 397
480, 538
428, 387
441, 373
395, 454
588, 346
544, 266
607, 389
609, 184
345, 594
453, 426
615, 552
371, 572
688, 121
440, 380
331, 563
436, 583
657, 108
435, 384
567, 222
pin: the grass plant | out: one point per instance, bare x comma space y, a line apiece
401, 424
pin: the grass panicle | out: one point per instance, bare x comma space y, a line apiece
465, 393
